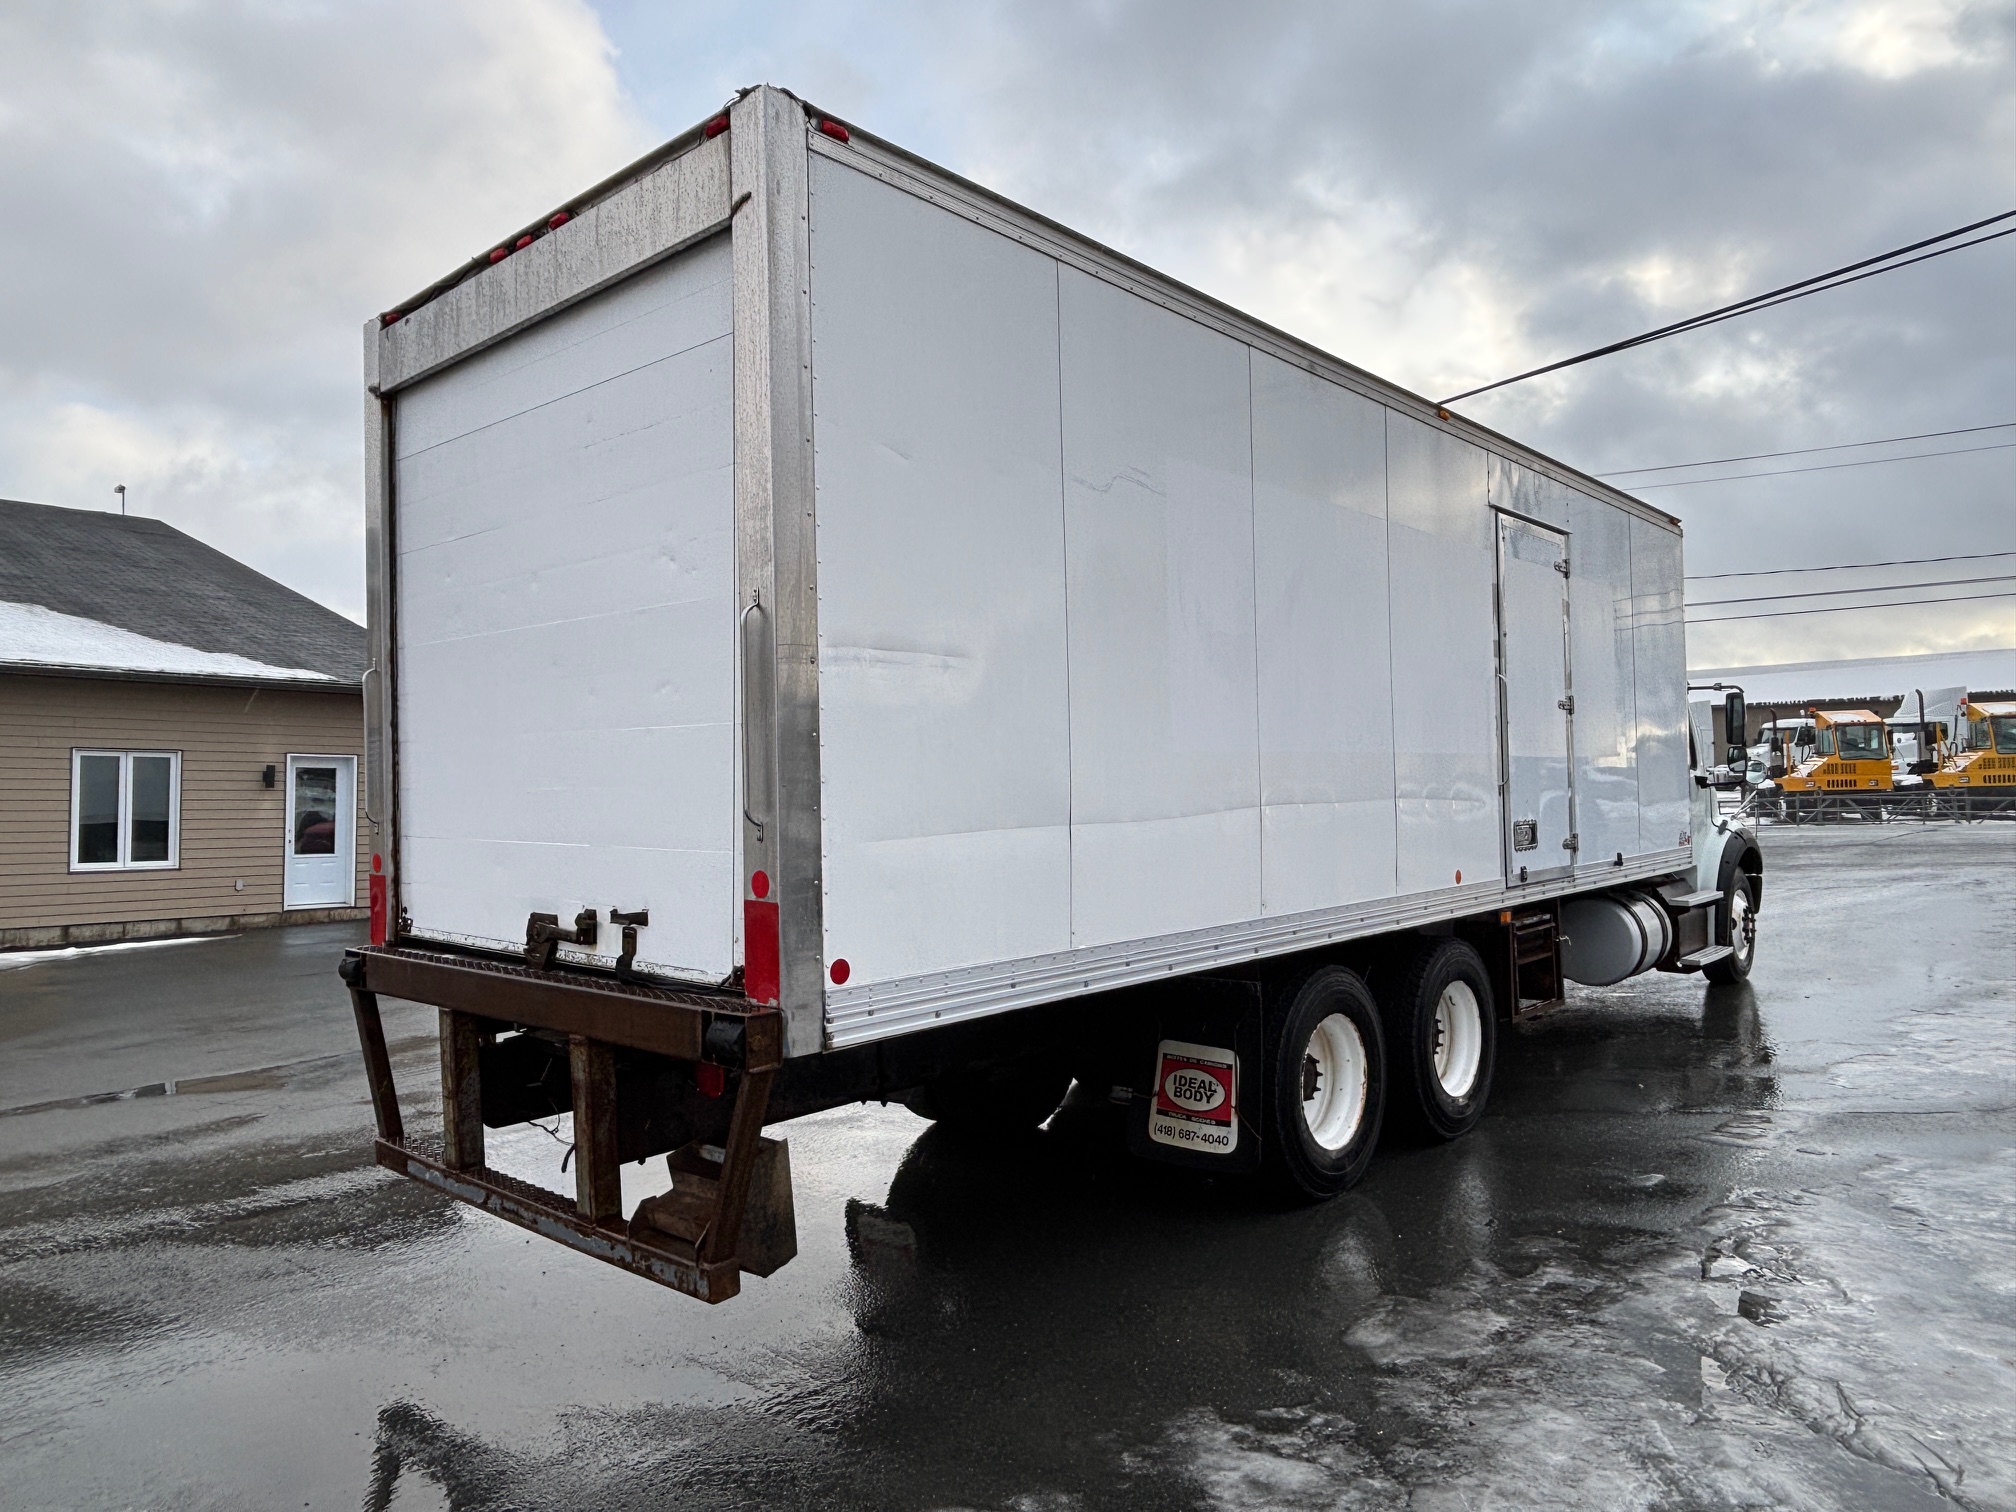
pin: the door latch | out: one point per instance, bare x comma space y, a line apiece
1566, 705
544, 935
1561, 566
1572, 843
626, 963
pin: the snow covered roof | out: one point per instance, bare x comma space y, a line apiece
174, 596
1869, 678
32, 637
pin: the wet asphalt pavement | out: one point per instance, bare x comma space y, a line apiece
1711, 1248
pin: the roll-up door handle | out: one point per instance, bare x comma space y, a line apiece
371, 764
750, 704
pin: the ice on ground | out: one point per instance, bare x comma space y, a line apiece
32, 636
14, 960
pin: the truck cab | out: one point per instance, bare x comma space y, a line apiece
1851, 753
1987, 756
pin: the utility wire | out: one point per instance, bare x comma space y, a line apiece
1966, 598
1786, 472
1769, 598
1766, 300
1975, 556
1802, 451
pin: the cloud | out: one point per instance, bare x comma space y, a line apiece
209, 199
1448, 193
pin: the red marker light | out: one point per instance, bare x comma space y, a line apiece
389, 316
377, 863
560, 218
840, 971
715, 127
835, 130
499, 254
759, 884
1459, 876
522, 243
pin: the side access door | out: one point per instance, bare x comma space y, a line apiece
1536, 702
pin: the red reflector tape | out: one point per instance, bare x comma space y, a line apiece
715, 127
759, 951
560, 218
710, 1079
835, 130
377, 908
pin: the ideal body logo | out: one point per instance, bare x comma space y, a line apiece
1196, 1088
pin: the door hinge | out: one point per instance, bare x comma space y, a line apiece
1561, 566
1572, 843
1566, 705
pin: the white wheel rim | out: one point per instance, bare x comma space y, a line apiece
1459, 1039
1335, 1106
1742, 925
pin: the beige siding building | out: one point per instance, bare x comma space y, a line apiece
181, 739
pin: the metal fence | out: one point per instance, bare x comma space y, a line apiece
1921, 805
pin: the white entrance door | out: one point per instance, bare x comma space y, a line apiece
321, 832
1537, 709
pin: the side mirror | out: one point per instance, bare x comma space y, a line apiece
1735, 719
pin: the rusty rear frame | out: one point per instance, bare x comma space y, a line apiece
479, 998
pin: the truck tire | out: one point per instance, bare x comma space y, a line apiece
994, 1100
1442, 1038
1736, 927
1323, 1088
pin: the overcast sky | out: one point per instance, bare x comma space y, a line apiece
204, 201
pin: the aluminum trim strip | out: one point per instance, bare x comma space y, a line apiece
670, 208
377, 789
859, 1015
775, 544
938, 187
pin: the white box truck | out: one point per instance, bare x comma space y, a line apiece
837, 634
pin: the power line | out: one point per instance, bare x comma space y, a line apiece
1764, 301
1768, 598
1965, 598
1802, 451
1976, 556
1786, 472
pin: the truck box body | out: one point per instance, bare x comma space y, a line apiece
928, 613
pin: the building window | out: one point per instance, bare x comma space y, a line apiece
125, 810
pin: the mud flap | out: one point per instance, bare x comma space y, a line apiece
1196, 1075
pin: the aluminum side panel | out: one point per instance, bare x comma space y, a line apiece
1660, 652
1158, 508
1325, 667
944, 699
566, 689
1606, 718
1445, 697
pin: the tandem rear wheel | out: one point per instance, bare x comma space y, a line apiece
1323, 1083
1442, 1036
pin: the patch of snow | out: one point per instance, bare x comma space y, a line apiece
33, 636
11, 960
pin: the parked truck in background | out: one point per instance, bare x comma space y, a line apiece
837, 634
